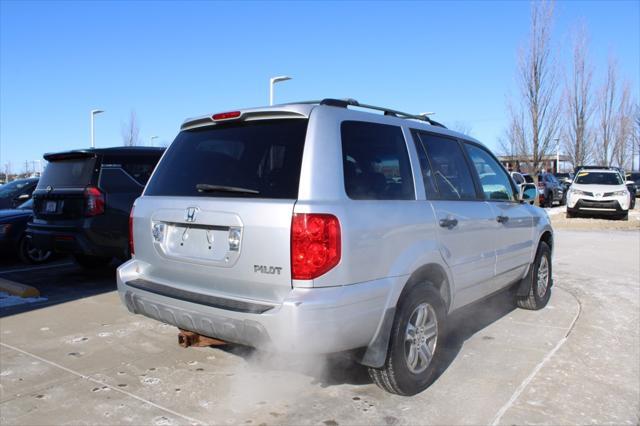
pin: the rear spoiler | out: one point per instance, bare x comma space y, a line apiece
69, 155
248, 115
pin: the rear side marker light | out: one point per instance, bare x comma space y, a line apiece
225, 115
315, 245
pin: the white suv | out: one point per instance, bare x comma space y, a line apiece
318, 228
598, 192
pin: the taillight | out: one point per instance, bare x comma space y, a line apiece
131, 245
315, 245
94, 201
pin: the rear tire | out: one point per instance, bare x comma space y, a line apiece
541, 281
31, 255
91, 262
414, 349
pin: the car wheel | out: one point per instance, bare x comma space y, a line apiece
570, 214
633, 203
415, 344
30, 254
541, 281
91, 262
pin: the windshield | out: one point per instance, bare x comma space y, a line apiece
12, 189
73, 173
598, 178
254, 159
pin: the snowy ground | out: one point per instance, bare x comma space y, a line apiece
559, 220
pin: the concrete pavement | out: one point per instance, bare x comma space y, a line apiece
88, 361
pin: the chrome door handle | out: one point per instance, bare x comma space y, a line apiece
449, 223
502, 219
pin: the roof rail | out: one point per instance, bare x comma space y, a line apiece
344, 103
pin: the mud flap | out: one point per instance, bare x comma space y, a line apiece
376, 353
524, 286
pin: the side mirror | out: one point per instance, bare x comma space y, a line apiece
23, 197
528, 193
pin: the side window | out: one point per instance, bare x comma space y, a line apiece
140, 168
375, 162
494, 180
452, 175
425, 168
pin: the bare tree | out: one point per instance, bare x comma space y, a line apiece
537, 118
130, 131
624, 129
576, 136
607, 100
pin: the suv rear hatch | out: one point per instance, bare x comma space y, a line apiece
215, 218
60, 194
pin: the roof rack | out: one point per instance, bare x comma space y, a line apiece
344, 103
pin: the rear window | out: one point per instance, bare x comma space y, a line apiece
253, 159
71, 173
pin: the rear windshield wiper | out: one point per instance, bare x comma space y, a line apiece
206, 187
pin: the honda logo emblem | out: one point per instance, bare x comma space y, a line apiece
190, 215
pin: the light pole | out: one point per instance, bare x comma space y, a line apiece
152, 138
94, 112
274, 80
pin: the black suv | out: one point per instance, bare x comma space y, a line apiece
83, 200
14, 193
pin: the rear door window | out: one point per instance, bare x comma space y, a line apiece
71, 173
251, 159
450, 169
375, 162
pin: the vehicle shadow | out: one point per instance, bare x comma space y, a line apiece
337, 369
58, 282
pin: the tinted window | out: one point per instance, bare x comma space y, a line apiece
493, 178
425, 168
375, 162
15, 188
452, 175
74, 173
138, 167
518, 178
115, 179
528, 178
263, 156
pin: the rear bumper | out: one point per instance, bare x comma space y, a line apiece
70, 239
309, 320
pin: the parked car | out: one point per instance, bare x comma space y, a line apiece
16, 192
521, 181
551, 190
631, 187
83, 200
635, 178
598, 192
565, 180
13, 239
319, 228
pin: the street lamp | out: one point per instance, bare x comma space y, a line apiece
94, 112
152, 138
272, 81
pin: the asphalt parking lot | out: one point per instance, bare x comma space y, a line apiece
80, 358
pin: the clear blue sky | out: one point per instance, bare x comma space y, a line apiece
168, 61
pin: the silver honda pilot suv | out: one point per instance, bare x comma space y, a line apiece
318, 227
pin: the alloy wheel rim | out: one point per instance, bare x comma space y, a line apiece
37, 255
543, 276
421, 338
